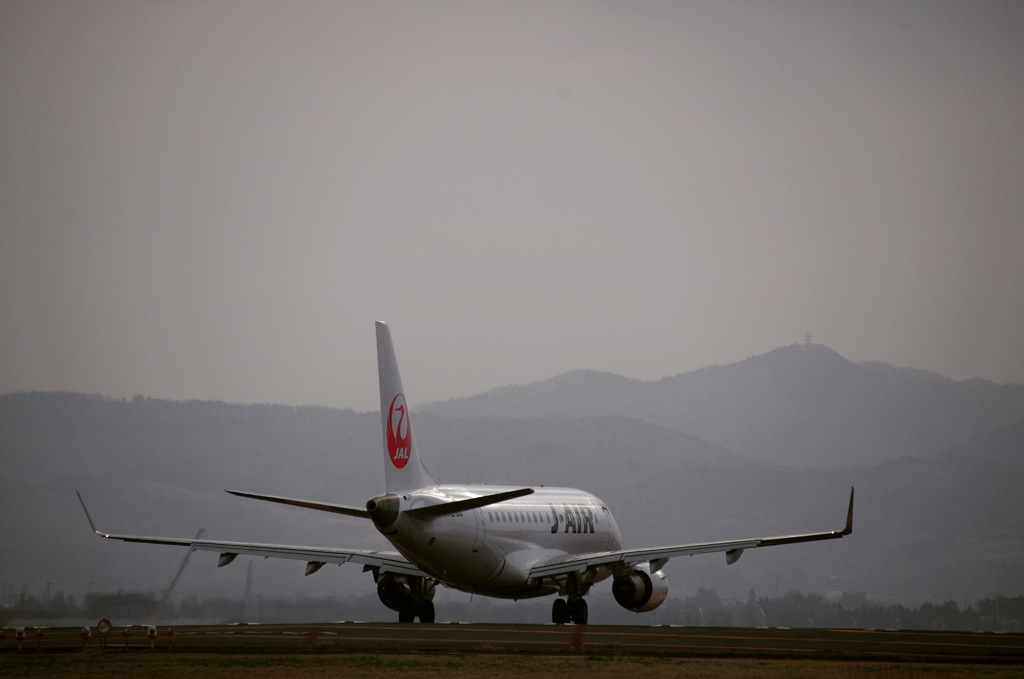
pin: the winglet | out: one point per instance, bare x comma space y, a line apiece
88, 516
811, 537
849, 517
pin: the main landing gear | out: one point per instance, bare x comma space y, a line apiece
424, 611
574, 610
410, 595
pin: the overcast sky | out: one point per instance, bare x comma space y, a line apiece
216, 199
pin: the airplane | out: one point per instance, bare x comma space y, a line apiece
499, 541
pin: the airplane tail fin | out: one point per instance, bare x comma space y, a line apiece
403, 469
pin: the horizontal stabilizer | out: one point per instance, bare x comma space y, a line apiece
307, 504
457, 506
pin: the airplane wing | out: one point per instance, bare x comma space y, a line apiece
659, 556
387, 562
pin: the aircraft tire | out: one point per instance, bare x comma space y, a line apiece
579, 611
426, 612
407, 614
560, 612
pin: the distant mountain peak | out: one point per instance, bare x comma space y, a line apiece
796, 404
790, 360
803, 352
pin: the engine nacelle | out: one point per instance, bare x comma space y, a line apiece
641, 590
402, 591
384, 510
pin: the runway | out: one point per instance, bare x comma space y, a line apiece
454, 638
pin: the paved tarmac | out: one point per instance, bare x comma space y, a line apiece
719, 642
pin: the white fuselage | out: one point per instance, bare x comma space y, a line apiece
490, 550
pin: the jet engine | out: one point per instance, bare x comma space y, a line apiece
640, 590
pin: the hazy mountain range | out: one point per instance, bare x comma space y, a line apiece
766, 446
800, 404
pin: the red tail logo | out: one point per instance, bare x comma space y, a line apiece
399, 433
